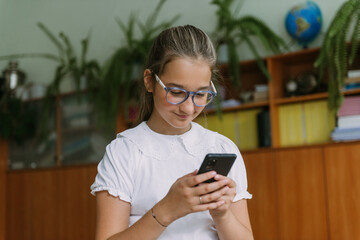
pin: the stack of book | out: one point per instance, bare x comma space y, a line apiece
261, 93
353, 80
348, 123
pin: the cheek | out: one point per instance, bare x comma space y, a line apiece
161, 102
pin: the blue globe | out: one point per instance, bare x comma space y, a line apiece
303, 22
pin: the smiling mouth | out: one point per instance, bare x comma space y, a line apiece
182, 116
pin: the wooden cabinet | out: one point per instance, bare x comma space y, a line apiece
305, 192
73, 134
32, 200
3, 180
301, 195
50, 204
262, 207
342, 165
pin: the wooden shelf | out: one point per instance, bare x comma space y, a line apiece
352, 92
61, 95
70, 130
240, 107
312, 97
304, 98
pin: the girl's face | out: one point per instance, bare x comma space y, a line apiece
189, 74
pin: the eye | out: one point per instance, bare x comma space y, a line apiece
201, 94
176, 92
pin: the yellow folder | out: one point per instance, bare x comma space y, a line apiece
319, 121
291, 124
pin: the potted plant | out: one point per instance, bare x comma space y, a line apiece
125, 65
335, 57
78, 68
84, 73
233, 30
16, 122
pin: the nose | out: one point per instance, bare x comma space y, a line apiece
187, 106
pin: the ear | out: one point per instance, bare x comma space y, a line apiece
148, 80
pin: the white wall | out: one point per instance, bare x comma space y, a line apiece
19, 33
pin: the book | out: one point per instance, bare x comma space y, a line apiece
351, 121
291, 125
346, 134
260, 96
264, 129
319, 122
352, 80
228, 126
353, 73
261, 88
247, 129
350, 106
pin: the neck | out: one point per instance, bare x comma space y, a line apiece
165, 128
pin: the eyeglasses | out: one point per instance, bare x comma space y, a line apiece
175, 95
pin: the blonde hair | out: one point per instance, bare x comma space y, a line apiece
176, 42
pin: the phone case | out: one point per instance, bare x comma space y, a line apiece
219, 162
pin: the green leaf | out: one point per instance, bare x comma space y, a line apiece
53, 39
31, 55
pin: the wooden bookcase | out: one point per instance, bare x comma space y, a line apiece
72, 134
281, 68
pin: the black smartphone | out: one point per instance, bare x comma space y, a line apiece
221, 163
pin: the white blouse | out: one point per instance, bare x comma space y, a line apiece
140, 166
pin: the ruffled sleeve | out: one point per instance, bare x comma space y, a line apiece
238, 171
116, 169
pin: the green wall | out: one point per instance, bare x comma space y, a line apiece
19, 33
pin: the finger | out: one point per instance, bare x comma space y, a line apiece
193, 173
200, 178
211, 187
208, 206
215, 196
219, 177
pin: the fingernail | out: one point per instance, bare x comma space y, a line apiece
225, 181
213, 173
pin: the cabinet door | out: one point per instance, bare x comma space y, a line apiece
342, 164
301, 194
32, 205
261, 184
76, 204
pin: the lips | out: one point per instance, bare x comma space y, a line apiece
182, 116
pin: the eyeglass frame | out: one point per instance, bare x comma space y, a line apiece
188, 93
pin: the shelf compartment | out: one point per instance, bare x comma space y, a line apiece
311, 97
287, 66
251, 75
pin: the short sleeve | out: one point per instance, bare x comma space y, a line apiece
115, 170
238, 170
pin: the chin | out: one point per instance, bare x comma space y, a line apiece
180, 123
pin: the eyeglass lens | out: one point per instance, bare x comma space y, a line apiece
200, 98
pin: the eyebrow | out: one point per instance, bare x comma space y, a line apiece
181, 86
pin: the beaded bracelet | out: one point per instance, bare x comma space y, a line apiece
153, 214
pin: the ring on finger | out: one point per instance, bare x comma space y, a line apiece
200, 200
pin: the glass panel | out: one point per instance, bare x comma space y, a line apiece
83, 141
40, 149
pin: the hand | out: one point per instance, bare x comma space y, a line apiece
184, 196
227, 198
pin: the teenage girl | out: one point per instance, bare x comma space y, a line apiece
147, 186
